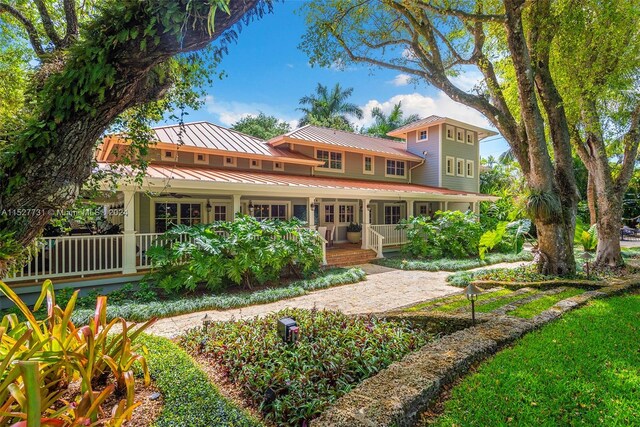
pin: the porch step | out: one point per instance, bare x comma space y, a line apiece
348, 256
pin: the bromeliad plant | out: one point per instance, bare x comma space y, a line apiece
40, 358
243, 252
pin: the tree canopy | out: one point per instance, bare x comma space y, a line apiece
261, 126
386, 123
329, 108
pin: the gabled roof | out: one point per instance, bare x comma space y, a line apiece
321, 136
402, 131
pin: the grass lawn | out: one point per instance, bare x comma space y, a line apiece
535, 307
583, 369
490, 306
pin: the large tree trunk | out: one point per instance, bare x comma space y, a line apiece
609, 223
591, 200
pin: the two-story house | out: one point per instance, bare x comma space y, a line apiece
201, 172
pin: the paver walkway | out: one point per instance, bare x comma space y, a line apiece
384, 289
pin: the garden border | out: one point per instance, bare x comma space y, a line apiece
398, 394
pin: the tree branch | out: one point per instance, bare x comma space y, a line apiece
47, 23
631, 142
72, 22
31, 30
463, 15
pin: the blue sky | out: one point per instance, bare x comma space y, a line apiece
265, 71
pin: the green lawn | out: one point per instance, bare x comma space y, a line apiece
583, 369
490, 306
535, 307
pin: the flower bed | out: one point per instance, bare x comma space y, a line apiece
449, 264
293, 383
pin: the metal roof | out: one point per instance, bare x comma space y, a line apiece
432, 120
227, 176
346, 140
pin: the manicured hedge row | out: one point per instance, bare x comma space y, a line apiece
190, 399
138, 312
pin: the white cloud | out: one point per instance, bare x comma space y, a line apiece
400, 80
424, 106
229, 112
467, 80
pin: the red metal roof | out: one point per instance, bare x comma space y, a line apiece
223, 176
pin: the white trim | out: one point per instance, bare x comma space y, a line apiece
193, 201
355, 206
230, 165
473, 138
460, 171
258, 164
172, 158
453, 166
288, 213
460, 135
453, 132
373, 165
419, 205
275, 166
204, 161
419, 139
395, 176
329, 169
473, 168
403, 212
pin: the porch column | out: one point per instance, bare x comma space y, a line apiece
236, 206
365, 223
129, 235
409, 208
311, 217
446, 206
476, 207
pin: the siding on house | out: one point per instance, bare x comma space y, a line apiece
429, 172
464, 151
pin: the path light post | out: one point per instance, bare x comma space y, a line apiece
586, 256
472, 294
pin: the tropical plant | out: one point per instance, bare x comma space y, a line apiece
329, 108
587, 236
386, 123
507, 236
491, 238
244, 252
354, 228
40, 358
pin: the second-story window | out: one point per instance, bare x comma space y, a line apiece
367, 165
423, 135
332, 159
395, 168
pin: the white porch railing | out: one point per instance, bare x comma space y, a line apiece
375, 241
392, 236
66, 256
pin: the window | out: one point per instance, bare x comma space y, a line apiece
449, 132
200, 158
470, 168
230, 161
391, 214
255, 164
423, 210
278, 166
332, 160
270, 211
470, 138
395, 168
219, 213
423, 135
449, 168
460, 167
459, 135
169, 155
367, 165
346, 214
329, 214
168, 214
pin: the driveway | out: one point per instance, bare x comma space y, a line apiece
384, 289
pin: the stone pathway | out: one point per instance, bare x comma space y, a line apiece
384, 289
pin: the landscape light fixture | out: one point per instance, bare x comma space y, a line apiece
586, 256
472, 292
288, 330
251, 207
208, 207
206, 322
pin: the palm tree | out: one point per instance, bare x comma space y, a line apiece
385, 124
329, 109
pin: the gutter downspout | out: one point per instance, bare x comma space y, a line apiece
413, 167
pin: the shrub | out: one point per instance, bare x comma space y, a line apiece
586, 236
507, 236
447, 264
354, 228
293, 383
41, 357
449, 234
245, 251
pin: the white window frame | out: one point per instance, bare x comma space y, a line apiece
453, 166
245, 206
354, 213
193, 201
473, 168
470, 137
173, 158
227, 211
453, 132
373, 165
388, 175
384, 213
233, 164
460, 135
258, 164
426, 138
329, 168
278, 168
205, 161
460, 169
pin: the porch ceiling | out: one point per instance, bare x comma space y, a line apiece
237, 181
